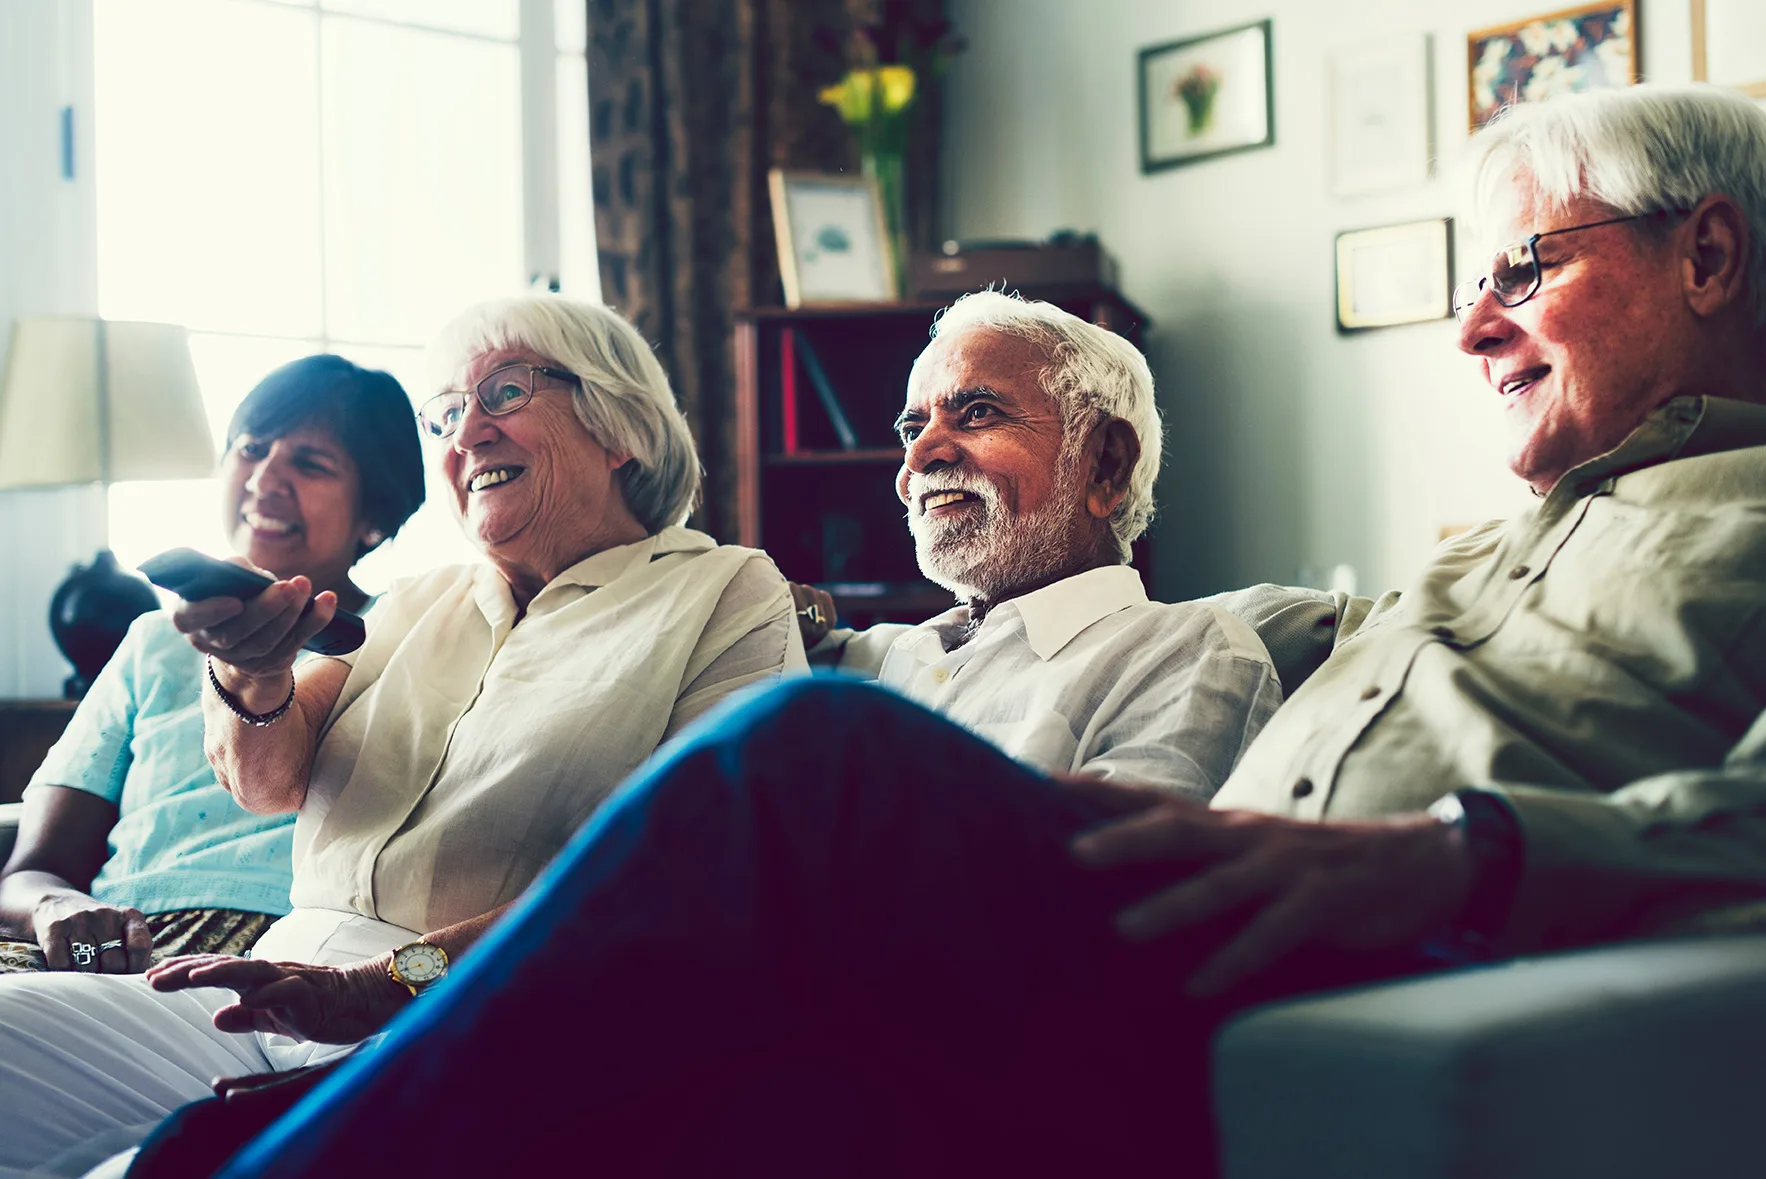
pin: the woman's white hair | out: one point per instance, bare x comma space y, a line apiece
1092, 374
624, 399
1635, 150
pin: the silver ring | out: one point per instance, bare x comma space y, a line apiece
114, 945
83, 953
813, 612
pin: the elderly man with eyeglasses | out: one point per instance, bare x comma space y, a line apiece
833, 934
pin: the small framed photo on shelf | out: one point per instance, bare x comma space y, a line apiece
1206, 96
1589, 47
833, 244
1729, 44
1395, 274
1380, 116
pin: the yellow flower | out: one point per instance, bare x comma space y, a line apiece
852, 96
898, 87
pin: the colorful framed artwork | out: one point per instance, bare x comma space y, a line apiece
1583, 48
833, 244
1395, 274
1729, 44
1206, 96
1380, 116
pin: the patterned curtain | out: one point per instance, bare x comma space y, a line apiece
691, 102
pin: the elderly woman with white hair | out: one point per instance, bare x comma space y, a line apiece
438, 769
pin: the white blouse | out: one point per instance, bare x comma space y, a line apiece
466, 747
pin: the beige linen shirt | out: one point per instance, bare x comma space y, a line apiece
466, 747
1599, 662
1088, 676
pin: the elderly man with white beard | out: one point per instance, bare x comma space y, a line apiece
1031, 444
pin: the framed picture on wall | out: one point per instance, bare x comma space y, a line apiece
833, 245
1729, 44
1380, 115
1395, 274
1206, 96
1584, 48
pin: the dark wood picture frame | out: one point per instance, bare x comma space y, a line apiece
1150, 55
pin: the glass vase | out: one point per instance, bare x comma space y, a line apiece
888, 170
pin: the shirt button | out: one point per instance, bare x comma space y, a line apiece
1302, 788
1441, 632
939, 674
1518, 572
1369, 692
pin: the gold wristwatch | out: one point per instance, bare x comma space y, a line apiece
417, 966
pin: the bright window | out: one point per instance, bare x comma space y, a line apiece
294, 176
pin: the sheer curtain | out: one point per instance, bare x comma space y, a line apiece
292, 176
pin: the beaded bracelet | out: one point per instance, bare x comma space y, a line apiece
257, 719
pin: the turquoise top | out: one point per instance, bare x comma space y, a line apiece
180, 841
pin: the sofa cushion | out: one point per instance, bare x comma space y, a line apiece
1627, 1062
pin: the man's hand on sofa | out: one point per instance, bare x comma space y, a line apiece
1352, 886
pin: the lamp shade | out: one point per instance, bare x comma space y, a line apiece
89, 400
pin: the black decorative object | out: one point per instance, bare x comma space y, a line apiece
90, 613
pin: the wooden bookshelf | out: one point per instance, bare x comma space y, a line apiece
824, 509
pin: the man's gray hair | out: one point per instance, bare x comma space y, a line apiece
624, 399
1092, 373
1636, 150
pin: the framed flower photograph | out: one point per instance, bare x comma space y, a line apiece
1206, 96
1584, 48
833, 243
1395, 274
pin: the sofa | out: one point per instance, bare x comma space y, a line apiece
1644, 1060
9, 816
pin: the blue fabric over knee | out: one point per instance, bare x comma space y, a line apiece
820, 850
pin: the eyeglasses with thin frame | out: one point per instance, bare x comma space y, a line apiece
1515, 272
503, 390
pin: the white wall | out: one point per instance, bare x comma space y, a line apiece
48, 241
1290, 449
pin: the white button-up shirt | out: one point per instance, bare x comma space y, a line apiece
467, 747
1088, 676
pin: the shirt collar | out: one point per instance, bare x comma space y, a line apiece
1053, 615
1682, 427
603, 568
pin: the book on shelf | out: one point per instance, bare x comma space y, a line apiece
788, 389
818, 377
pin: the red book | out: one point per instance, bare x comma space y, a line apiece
788, 386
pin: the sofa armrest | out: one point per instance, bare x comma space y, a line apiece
1639, 1060
10, 814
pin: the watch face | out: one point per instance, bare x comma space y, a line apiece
420, 964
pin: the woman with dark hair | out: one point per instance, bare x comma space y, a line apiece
129, 849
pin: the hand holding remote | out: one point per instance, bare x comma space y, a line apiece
251, 625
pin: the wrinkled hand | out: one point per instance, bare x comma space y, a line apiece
812, 603
327, 1004
1351, 886
61, 921
253, 643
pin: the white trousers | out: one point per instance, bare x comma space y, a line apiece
90, 1063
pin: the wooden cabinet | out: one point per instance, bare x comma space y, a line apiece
27, 729
818, 390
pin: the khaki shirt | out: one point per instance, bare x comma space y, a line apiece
1599, 662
